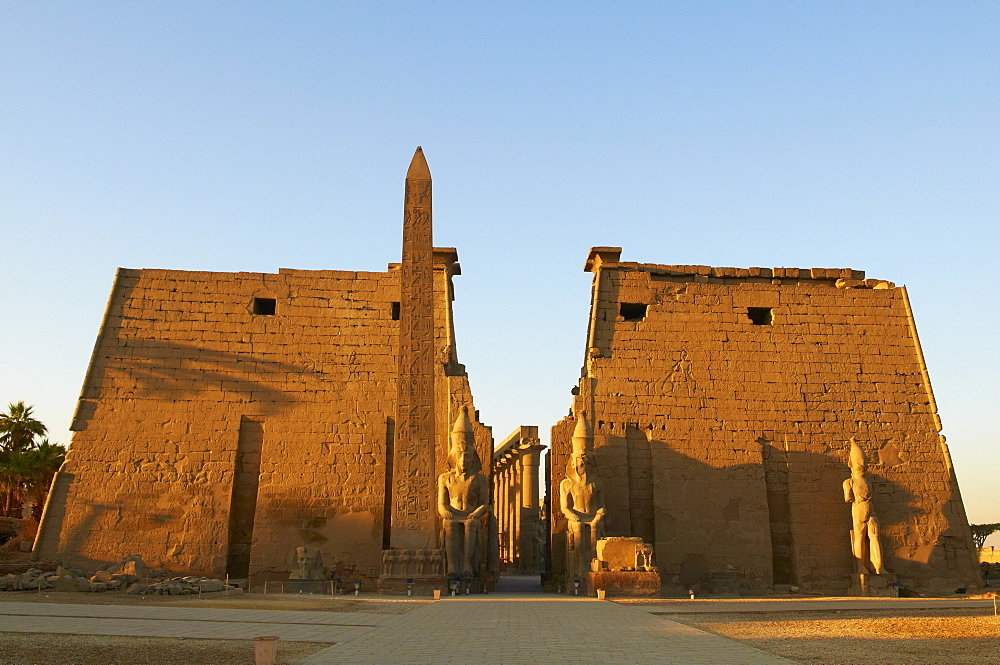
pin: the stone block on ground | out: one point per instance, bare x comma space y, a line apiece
70, 583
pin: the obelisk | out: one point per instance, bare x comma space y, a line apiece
413, 491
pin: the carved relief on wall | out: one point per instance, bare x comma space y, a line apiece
412, 563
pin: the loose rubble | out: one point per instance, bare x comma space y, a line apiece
129, 575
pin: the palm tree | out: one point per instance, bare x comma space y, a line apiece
27, 474
15, 469
45, 460
18, 429
26, 466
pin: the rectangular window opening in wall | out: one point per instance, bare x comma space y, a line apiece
395, 311
265, 306
632, 311
760, 316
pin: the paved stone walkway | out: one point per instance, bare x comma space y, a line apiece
468, 630
502, 629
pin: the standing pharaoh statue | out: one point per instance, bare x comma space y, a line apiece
581, 499
858, 492
463, 499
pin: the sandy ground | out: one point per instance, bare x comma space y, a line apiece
868, 637
39, 649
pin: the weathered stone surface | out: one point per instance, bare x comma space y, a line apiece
62, 571
181, 586
721, 399
132, 566
622, 584
211, 585
413, 524
70, 583
624, 553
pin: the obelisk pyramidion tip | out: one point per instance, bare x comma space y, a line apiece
418, 167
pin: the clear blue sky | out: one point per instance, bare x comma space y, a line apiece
257, 135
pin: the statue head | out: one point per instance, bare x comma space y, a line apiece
857, 460
308, 562
462, 455
581, 460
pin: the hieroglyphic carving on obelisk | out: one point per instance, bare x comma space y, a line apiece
413, 490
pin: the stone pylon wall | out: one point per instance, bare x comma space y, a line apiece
725, 442
184, 379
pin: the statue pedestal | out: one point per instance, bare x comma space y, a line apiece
622, 583
864, 584
422, 586
425, 567
623, 568
306, 586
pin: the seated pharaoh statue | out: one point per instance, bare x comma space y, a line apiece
858, 492
463, 499
581, 499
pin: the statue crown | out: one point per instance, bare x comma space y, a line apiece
857, 456
583, 436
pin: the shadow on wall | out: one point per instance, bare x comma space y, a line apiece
350, 541
747, 526
154, 368
77, 539
783, 519
159, 369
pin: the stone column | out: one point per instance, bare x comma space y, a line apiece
502, 512
529, 456
514, 503
496, 503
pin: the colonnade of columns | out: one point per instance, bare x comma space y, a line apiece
516, 501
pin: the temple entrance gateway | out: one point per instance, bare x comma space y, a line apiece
704, 451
